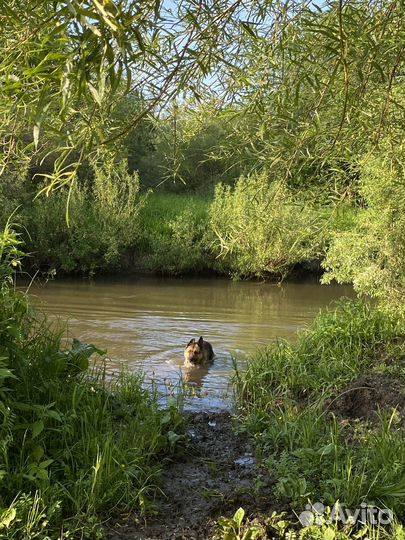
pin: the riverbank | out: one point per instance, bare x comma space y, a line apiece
320, 423
76, 446
320, 420
212, 473
327, 415
234, 233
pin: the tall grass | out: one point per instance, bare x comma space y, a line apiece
287, 395
257, 228
75, 447
172, 234
340, 344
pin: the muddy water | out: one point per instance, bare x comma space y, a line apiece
145, 323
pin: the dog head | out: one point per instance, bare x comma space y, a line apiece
194, 351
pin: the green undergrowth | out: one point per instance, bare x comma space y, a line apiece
76, 447
315, 451
171, 236
278, 526
255, 229
86, 231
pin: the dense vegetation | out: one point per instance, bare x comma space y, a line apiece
247, 138
74, 443
289, 129
327, 416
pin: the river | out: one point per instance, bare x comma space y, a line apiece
145, 323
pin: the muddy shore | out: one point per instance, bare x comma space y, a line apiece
215, 474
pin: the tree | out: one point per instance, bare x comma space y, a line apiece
65, 66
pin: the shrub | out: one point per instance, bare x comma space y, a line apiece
103, 222
371, 254
259, 228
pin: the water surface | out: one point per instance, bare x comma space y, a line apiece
145, 323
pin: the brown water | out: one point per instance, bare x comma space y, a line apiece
145, 323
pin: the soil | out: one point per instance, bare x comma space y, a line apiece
215, 471
370, 393
216, 474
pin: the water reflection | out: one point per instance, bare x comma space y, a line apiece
146, 322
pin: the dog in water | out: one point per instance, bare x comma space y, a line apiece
198, 353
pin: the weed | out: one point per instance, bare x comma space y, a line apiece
74, 445
288, 393
235, 529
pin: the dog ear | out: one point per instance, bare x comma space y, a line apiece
200, 341
191, 342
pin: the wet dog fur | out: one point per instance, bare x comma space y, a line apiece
198, 353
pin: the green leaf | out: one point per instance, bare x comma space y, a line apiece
6, 373
46, 463
238, 517
53, 414
326, 450
247, 27
37, 452
139, 39
85, 349
37, 428
7, 517
224, 522
173, 437
253, 532
78, 356
94, 92
328, 534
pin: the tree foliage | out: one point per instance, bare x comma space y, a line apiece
301, 92
371, 254
65, 66
317, 88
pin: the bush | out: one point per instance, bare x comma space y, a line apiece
371, 254
103, 223
260, 229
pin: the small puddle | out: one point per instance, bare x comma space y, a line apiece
246, 461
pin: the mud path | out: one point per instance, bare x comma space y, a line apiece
214, 475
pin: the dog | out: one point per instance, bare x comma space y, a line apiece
198, 353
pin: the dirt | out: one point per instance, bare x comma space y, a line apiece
214, 472
370, 393
215, 475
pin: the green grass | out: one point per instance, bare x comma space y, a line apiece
287, 395
75, 447
172, 233
341, 343
162, 208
